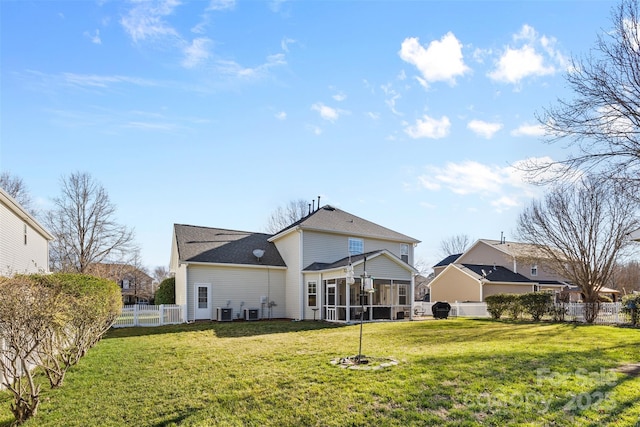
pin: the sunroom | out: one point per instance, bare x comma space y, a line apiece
373, 287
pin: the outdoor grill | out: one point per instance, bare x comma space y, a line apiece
441, 310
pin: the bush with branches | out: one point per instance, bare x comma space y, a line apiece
49, 322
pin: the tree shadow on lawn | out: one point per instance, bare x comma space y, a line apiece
233, 329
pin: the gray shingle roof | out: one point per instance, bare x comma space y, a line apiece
334, 220
217, 245
448, 260
496, 273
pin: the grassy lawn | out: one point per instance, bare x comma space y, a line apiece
452, 372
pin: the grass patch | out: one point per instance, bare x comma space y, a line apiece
452, 372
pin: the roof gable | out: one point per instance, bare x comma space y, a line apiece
333, 220
217, 245
356, 260
448, 260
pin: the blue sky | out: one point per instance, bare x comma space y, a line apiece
411, 114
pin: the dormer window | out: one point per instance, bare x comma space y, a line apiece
534, 270
356, 246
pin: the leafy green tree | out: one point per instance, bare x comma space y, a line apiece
166, 293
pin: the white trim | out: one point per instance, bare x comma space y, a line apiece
21, 213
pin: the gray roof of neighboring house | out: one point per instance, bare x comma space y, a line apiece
448, 260
217, 245
495, 273
334, 220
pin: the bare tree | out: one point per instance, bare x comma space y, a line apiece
581, 229
16, 188
160, 273
601, 121
84, 227
626, 277
454, 245
286, 215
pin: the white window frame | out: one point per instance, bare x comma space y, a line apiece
534, 270
314, 293
403, 292
404, 252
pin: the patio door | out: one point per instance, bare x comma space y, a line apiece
331, 302
203, 301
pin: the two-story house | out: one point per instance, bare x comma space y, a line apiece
302, 272
24, 243
490, 267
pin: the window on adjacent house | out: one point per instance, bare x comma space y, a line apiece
404, 252
534, 270
356, 246
312, 294
402, 294
25, 234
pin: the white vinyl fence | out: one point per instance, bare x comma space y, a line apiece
609, 313
151, 315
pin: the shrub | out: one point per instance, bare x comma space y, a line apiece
92, 305
515, 307
166, 293
536, 304
497, 304
631, 306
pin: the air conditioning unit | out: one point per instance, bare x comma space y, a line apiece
224, 314
251, 314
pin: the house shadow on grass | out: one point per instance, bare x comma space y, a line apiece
233, 329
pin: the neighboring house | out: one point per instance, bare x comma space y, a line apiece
490, 267
298, 273
24, 243
136, 285
422, 290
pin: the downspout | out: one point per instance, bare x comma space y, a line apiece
515, 265
412, 294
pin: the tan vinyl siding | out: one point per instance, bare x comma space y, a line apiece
15, 255
486, 255
454, 286
240, 284
497, 288
289, 248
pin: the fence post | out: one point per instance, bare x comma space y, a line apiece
161, 314
135, 315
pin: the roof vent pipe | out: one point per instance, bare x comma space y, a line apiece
314, 205
318, 202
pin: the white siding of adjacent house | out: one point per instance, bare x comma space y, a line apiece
15, 255
237, 284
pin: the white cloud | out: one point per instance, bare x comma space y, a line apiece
196, 52
281, 115
528, 130
340, 96
530, 56
505, 187
284, 44
484, 129
428, 127
95, 38
146, 20
315, 129
221, 4
98, 81
328, 113
233, 69
372, 115
392, 97
441, 61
